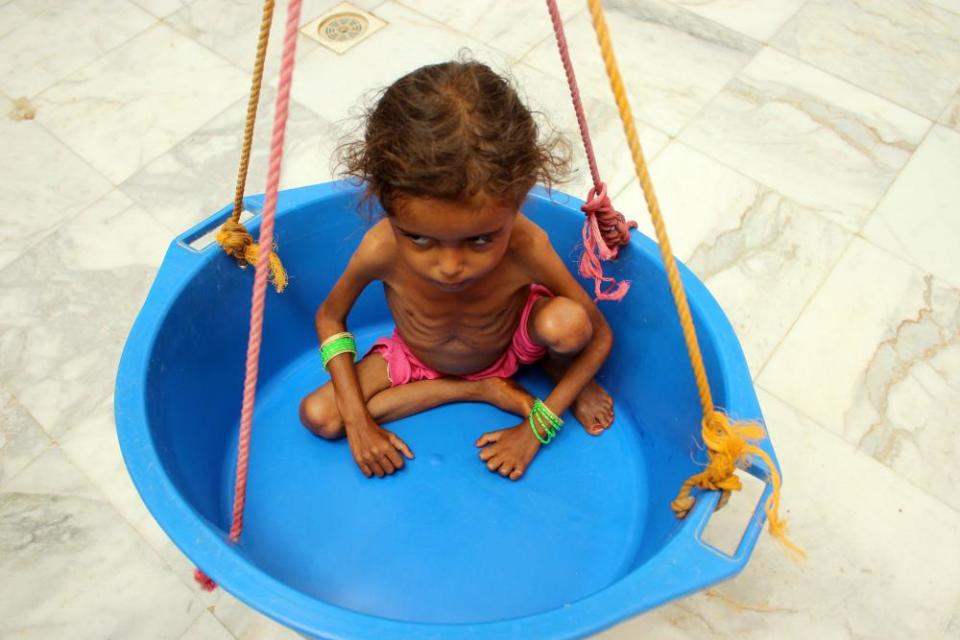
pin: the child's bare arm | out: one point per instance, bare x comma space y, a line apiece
546, 267
509, 451
331, 319
374, 449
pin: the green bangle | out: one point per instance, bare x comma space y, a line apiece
337, 345
541, 418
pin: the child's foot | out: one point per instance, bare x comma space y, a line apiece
506, 394
594, 409
509, 451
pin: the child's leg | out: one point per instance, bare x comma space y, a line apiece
563, 327
319, 413
400, 402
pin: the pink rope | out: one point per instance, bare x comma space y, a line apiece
263, 268
605, 230
596, 249
260, 279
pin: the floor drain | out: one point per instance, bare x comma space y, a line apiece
343, 27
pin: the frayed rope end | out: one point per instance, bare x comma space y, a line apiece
206, 583
237, 242
729, 444
597, 247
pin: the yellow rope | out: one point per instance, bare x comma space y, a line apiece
233, 236
727, 444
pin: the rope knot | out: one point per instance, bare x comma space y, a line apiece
605, 230
682, 505
613, 226
234, 238
238, 243
730, 446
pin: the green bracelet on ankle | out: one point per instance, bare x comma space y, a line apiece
541, 418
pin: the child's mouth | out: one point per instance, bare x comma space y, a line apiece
452, 286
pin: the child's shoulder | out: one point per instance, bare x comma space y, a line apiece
377, 249
528, 238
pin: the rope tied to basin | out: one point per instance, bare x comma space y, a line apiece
263, 267
237, 242
729, 445
233, 235
605, 229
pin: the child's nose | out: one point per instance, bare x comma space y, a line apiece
451, 263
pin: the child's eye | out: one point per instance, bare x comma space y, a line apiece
480, 241
420, 241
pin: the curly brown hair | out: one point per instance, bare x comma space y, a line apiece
453, 131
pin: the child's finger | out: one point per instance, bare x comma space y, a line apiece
489, 438
365, 469
394, 458
387, 464
401, 446
517, 473
494, 463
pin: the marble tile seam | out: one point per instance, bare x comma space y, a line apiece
274, 47
939, 6
119, 515
550, 36
191, 632
413, 9
862, 88
261, 135
692, 143
59, 225
853, 237
896, 176
512, 60
783, 24
109, 50
51, 441
722, 162
900, 258
826, 277
855, 451
39, 118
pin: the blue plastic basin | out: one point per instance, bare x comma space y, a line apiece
443, 548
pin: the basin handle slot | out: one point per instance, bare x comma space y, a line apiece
204, 235
733, 530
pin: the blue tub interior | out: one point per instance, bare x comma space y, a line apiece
443, 541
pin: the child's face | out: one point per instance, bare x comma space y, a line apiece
452, 245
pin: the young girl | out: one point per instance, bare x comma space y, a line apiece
475, 288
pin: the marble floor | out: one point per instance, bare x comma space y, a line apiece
806, 154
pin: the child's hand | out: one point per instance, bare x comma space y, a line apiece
509, 451
375, 450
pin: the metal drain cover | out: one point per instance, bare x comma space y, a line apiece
343, 27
